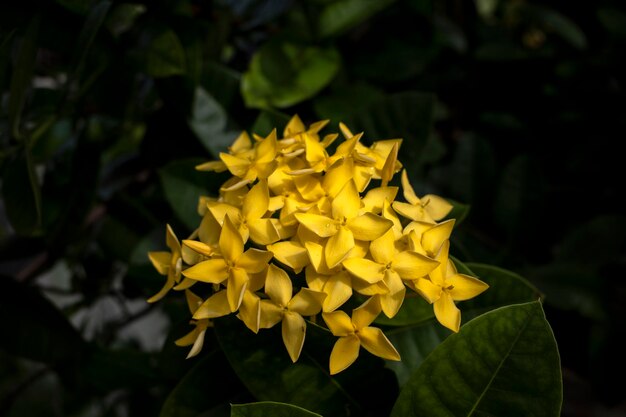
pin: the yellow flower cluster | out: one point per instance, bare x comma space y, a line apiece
293, 210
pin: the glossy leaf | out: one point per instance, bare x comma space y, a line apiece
282, 74
418, 333
505, 362
339, 16
269, 409
209, 121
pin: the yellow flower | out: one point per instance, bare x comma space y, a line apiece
447, 286
345, 226
196, 336
428, 209
167, 263
392, 267
233, 267
355, 332
258, 162
282, 306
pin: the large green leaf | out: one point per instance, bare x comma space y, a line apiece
421, 333
183, 185
505, 362
267, 120
209, 383
282, 74
263, 365
269, 409
209, 121
339, 16
33, 328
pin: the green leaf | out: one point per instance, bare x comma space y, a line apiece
418, 333
505, 362
183, 185
346, 100
209, 122
222, 83
263, 365
21, 193
613, 20
33, 328
165, 55
282, 74
342, 15
209, 383
21, 76
406, 115
269, 409
92, 24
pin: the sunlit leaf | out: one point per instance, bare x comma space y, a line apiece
282, 74
505, 362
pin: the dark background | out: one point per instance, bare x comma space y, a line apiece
514, 107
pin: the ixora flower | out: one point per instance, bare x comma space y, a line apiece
302, 202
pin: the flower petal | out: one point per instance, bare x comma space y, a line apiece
256, 202
374, 341
264, 231
437, 207
463, 287
374, 199
365, 269
390, 303
231, 244
278, 286
344, 353
347, 203
338, 290
161, 261
221, 210
365, 314
216, 166
188, 339
213, 271
236, 165
439, 274
425, 287
171, 240
413, 212
338, 247
447, 313
266, 149
383, 249
270, 314
214, 306
250, 311
254, 260
412, 265
409, 193
294, 330
169, 284
291, 254
307, 302
198, 343
237, 284
197, 247
433, 238
315, 280
368, 226
338, 323
322, 226
193, 301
